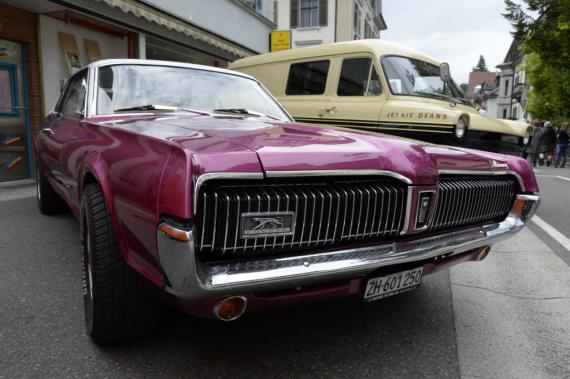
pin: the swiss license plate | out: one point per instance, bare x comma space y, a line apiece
389, 285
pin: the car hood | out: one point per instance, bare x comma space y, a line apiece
222, 144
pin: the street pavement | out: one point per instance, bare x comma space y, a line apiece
505, 317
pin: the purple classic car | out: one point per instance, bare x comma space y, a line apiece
193, 184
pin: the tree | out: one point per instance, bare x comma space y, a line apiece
481, 65
550, 89
543, 27
464, 87
548, 33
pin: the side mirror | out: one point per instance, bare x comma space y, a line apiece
444, 72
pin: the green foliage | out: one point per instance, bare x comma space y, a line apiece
464, 87
550, 96
548, 35
543, 27
481, 65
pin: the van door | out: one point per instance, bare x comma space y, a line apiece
306, 91
357, 100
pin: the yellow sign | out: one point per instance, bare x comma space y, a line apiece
280, 40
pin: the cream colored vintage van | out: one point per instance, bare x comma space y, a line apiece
380, 86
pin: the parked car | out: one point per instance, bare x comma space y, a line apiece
380, 86
192, 183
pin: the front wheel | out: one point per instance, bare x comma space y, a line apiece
117, 305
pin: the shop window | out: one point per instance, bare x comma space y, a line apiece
308, 78
358, 77
8, 90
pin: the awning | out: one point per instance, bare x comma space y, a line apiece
172, 23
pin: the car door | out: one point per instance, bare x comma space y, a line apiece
68, 115
307, 88
357, 98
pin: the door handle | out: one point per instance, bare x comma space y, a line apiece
323, 110
47, 131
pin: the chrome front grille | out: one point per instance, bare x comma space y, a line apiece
463, 200
325, 213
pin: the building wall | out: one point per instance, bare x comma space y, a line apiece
227, 18
307, 36
54, 68
20, 26
344, 20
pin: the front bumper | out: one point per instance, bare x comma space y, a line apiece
190, 279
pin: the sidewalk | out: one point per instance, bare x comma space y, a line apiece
18, 189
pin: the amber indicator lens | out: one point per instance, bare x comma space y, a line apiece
520, 207
230, 308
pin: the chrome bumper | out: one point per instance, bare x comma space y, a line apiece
190, 279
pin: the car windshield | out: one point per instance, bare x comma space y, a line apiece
143, 87
413, 77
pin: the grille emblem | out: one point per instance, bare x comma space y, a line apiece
267, 224
496, 164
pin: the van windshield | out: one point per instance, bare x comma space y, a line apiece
412, 77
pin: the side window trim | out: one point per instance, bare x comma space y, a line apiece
80, 75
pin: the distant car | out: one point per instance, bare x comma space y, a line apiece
380, 86
193, 183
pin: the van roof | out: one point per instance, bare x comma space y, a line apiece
375, 46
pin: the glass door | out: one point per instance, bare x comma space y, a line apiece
13, 127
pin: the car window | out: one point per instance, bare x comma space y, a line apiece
74, 101
308, 78
358, 77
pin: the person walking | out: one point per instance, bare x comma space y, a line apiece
547, 143
533, 147
561, 146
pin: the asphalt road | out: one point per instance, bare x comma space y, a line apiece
508, 316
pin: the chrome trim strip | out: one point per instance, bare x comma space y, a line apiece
192, 279
290, 174
221, 175
490, 173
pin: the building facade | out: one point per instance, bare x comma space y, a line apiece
316, 22
511, 96
42, 42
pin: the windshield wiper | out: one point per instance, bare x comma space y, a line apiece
244, 111
433, 94
157, 107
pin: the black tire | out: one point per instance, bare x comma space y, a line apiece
117, 304
49, 201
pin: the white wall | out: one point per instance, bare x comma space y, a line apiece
307, 36
225, 18
53, 65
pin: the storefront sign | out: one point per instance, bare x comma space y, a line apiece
280, 40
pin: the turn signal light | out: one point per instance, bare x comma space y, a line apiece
520, 207
172, 232
483, 254
230, 308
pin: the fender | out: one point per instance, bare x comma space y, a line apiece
95, 167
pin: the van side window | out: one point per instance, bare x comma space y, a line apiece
308, 78
358, 77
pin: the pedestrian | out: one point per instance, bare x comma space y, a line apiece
533, 147
547, 144
561, 146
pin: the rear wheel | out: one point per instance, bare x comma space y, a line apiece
49, 201
117, 305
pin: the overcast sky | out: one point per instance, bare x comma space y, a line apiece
454, 31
